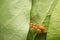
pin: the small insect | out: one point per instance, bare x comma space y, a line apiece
39, 28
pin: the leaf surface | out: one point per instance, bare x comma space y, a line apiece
40, 15
54, 26
14, 19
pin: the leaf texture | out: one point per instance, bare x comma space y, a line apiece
54, 26
40, 15
14, 19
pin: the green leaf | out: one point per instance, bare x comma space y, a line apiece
41, 36
40, 14
31, 34
14, 19
54, 26
39, 10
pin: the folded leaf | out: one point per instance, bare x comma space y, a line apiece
39, 14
